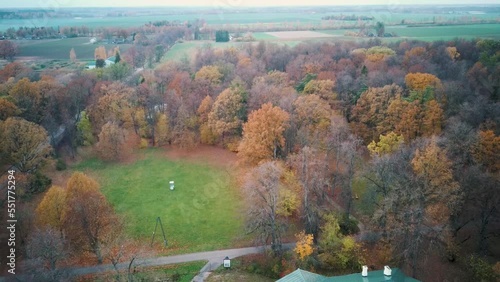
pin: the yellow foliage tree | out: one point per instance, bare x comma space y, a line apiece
336, 250
207, 135
453, 53
379, 53
51, 209
79, 182
226, 113
387, 144
210, 73
162, 130
304, 246
140, 124
322, 88
289, 191
24, 144
28, 99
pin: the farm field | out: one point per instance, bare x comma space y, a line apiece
432, 33
201, 214
220, 15
58, 49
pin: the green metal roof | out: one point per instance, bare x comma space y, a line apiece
300, 275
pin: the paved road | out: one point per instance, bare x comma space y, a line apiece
215, 259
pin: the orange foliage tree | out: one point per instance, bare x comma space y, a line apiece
100, 53
111, 143
487, 150
432, 120
420, 81
263, 134
7, 109
312, 115
440, 191
89, 218
113, 106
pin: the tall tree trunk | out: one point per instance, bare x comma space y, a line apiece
97, 251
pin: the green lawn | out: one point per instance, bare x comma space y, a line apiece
203, 213
263, 36
180, 50
189, 48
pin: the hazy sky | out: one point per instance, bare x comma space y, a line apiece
54, 4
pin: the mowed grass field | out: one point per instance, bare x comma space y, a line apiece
58, 49
203, 213
188, 49
433, 33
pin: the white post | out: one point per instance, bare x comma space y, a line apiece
387, 271
364, 272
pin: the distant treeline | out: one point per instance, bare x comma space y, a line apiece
106, 33
32, 14
347, 18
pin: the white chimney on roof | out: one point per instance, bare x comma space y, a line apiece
364, 272
387, 271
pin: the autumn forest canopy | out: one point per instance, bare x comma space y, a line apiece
378, 152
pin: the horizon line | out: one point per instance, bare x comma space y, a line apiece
258, 6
